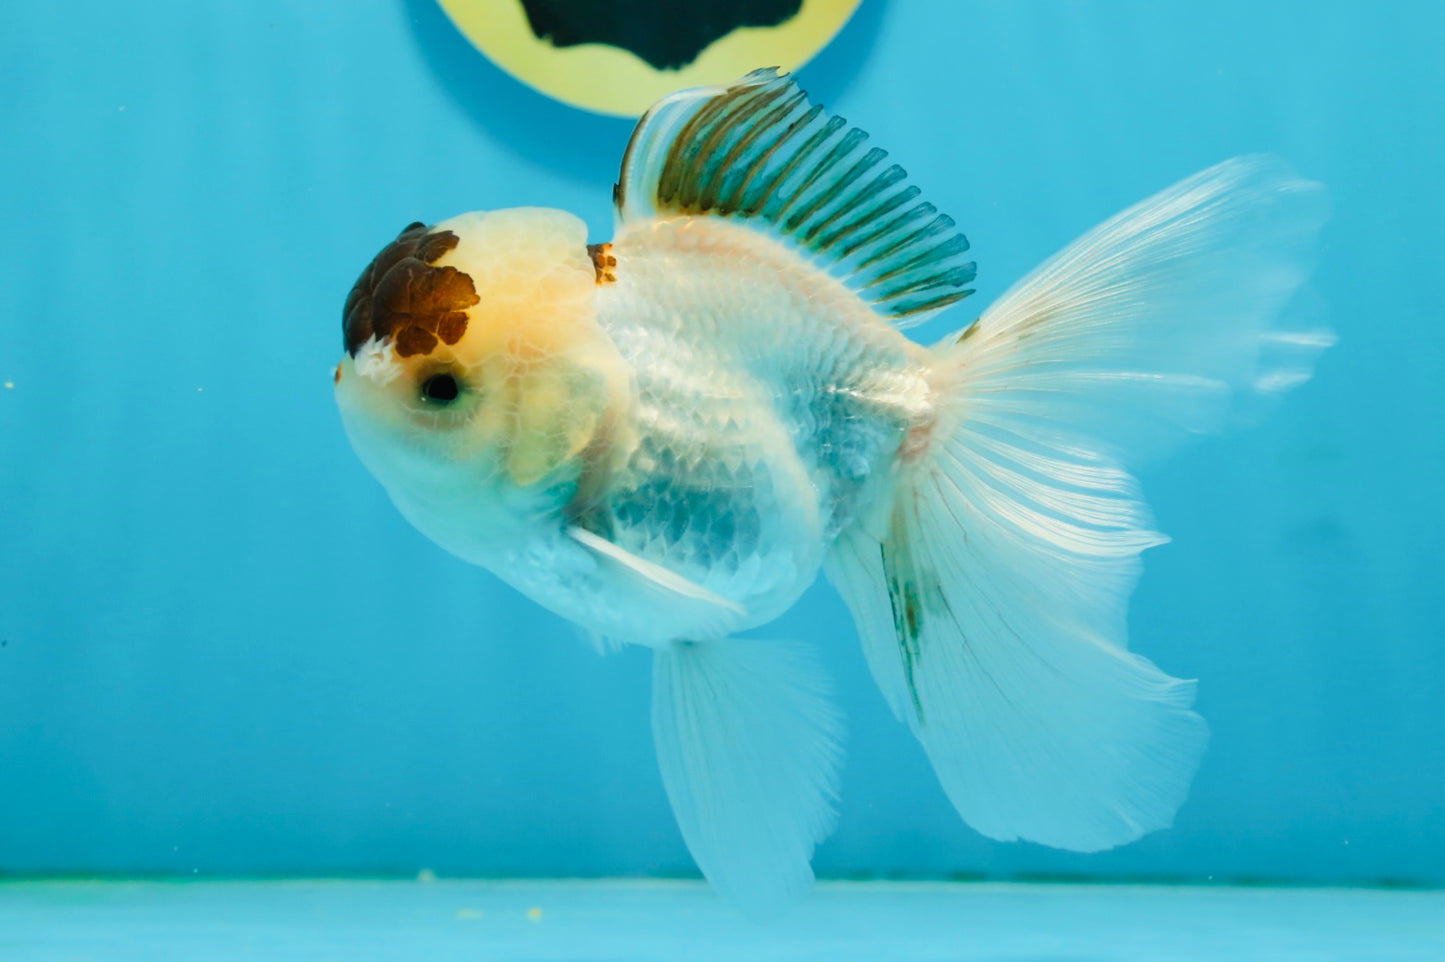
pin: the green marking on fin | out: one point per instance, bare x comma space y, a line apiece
907, 606
756, 152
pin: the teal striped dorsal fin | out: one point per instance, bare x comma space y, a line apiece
759, 153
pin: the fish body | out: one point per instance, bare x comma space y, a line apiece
769, 404
666, 437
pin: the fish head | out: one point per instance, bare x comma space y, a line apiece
476, 378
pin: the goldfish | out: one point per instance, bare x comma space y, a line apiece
667, 437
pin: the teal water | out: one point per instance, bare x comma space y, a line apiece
663, 922
223, 654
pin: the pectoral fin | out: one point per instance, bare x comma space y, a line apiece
709, 614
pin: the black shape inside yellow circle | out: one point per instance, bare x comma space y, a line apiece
619, 57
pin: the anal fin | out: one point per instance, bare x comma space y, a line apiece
748, 743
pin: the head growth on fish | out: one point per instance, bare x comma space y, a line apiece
472, 350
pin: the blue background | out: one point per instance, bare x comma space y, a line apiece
225, 653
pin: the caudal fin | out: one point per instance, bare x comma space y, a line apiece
992, 599
748, 743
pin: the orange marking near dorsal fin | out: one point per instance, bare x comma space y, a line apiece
604, 262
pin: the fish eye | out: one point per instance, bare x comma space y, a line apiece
440, 389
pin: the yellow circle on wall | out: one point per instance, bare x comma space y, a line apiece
619, 56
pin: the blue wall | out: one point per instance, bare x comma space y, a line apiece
214, 660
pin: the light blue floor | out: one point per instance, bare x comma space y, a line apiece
645, 921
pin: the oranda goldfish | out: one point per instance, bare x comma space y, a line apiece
666, 437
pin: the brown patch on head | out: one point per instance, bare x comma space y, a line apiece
604, 262
336, 379
401, 295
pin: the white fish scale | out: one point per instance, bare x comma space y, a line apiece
766, 406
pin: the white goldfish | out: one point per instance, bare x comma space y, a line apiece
666, 438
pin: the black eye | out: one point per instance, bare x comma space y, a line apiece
440, 389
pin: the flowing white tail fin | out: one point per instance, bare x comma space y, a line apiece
748, 744
992, 599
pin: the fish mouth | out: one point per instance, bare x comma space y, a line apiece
403, 297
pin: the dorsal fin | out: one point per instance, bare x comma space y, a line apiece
759, 153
